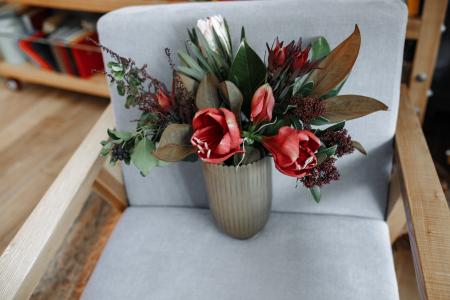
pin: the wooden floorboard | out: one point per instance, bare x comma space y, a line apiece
39, 130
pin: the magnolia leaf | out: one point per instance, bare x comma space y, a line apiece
337, 65
142, 157
247, 72
173, 152
315, 192
233, 96
179, 134
348, 107
174, 144
320, 48
359, 147
207, 96
188, 83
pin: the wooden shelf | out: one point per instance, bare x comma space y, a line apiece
96, 85
98, 6
413, 28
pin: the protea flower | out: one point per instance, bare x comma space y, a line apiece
218, 24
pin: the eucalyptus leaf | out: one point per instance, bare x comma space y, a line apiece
336, 66
247, 72
207, 96
142, 157
315, 192
348, 107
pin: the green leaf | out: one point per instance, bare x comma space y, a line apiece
335, 91
190, 72
328, 151
242, 34
335, 127
207, 96
320, 48
321, 157
142, 157
119, 135
189, 61
233, 97
320, 121
121, 88
359, 147
247, 72
315, 192
348, 107
199, 56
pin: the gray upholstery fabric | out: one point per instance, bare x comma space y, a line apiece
143, 33
177, 253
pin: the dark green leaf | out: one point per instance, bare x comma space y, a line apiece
320, 121
321, 157
122, 135
121, 88
247, 72
328, 151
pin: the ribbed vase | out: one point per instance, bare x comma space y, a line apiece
240, 198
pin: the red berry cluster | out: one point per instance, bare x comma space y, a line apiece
322, 174
341, 138
307, 108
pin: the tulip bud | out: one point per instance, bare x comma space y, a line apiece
163, 99
262, 104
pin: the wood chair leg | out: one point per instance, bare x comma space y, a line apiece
109, 186
396, 217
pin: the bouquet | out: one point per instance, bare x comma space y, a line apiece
232, 107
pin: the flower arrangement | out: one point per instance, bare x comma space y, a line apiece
232, 107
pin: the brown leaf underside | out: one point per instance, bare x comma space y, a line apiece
336, 65
348, 107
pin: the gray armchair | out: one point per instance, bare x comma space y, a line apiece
166, 245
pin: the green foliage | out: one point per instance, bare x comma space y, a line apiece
319, 121
320, 48
315, 192
248, 72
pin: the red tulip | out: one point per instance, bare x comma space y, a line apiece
163, 99
277, 56
262, 104
293, 151
216, 134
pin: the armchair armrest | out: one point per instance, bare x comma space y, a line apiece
426, 208
24, 261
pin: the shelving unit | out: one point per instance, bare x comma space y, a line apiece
95, 85
424, 29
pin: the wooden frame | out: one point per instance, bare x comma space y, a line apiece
428, 217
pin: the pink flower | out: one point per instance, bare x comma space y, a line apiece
262, 104
216, 134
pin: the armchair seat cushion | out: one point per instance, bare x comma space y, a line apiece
177, 253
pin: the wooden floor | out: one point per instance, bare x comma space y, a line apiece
39, 129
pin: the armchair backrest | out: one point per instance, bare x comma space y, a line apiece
143, 32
